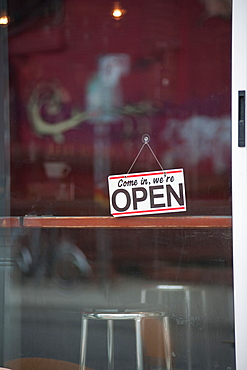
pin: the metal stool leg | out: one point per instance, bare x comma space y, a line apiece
84, 342
139, 354
188, 333
207, 344
167, 343
110, 344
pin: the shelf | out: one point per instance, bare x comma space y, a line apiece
10, 222
189, 222
108, 222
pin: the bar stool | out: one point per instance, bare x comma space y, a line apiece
185, 304
110, 316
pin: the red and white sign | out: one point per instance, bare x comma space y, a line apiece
147, 193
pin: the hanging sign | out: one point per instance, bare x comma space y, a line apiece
144, 193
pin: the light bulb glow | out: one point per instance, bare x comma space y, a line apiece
4, 19
117, 11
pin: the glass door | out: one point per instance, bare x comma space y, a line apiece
87, 82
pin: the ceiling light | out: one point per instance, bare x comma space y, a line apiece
4, 19
117, 11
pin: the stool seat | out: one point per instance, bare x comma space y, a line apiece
110, 315
182, 303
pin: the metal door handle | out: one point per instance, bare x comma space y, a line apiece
241, 118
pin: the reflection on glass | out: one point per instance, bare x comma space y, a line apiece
84, 89
66, 272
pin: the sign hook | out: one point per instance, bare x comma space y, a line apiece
145, 138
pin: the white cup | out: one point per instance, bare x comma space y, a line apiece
56, 170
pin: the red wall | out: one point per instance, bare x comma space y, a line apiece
168, 41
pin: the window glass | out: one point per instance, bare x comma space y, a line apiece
85, 87
86, 84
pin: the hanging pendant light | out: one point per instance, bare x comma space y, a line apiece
117, 11
4, 19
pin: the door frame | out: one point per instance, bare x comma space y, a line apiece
239, 182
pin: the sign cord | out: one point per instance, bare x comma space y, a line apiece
146, 139
155, 156
136, 158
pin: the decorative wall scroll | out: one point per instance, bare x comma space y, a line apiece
47, 103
